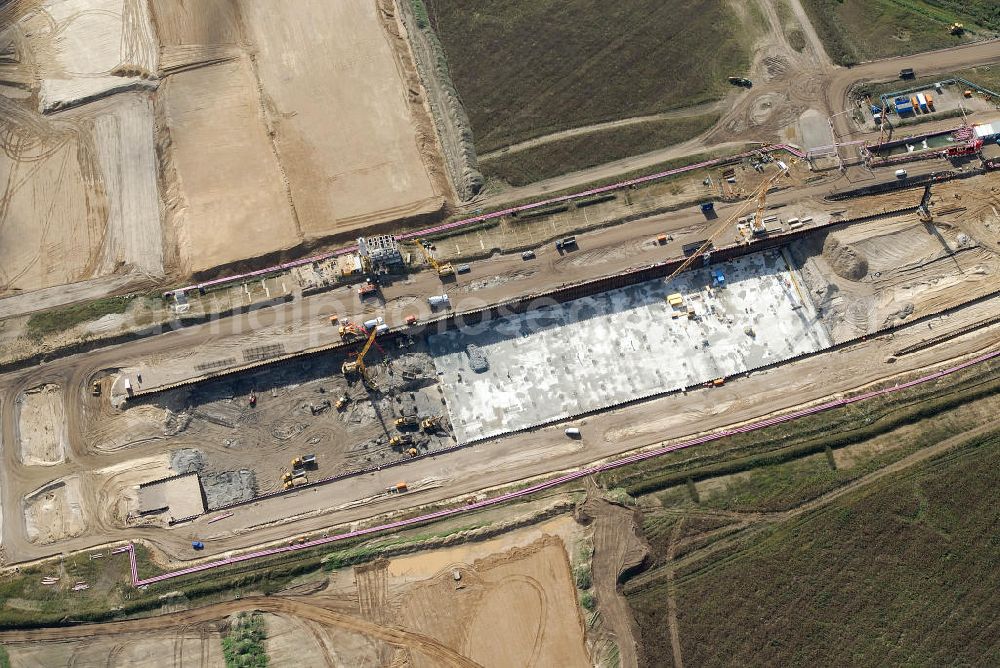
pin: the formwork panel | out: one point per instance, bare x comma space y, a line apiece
600, 350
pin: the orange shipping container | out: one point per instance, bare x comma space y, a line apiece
930, 99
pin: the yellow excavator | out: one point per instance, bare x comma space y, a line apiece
357, 365
443, 269
758, 196
431, 424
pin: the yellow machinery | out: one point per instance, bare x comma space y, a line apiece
956, 29
357, 366
407, 421
444, 269
759, 196
342, 402
399, 441
350, 332
432, 423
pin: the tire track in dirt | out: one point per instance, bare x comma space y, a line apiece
393, 635
617, 549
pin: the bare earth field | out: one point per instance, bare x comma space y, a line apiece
55, 512
226, 201
266, 131
196, 646
514, 604
41, 426
83, 47
341, 116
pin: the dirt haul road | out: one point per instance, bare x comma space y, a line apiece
531, 454
289, 606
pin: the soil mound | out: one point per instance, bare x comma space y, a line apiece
844, 259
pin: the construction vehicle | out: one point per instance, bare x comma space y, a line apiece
350, 331
253, 399
412, 452
431, 424
95, 389
758, 196
357, 365
343, 401
316, 409
956, 29
304, 461
907, 73
411, 320
443, 269
741, 81
296, 482
334, 319
398, 488
197, 545
407, 421
367, 289
400, 441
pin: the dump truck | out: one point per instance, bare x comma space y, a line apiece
566, 242
406, 421
398, 488
296, 482
342, 402
907, 73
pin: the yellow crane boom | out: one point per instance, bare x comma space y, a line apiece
442, 268
758, 196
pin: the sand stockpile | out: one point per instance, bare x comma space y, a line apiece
844, 259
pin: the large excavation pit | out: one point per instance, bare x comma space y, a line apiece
597, 351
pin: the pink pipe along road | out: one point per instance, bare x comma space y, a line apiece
642, 456
495, 214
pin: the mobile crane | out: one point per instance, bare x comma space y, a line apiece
443, 269
758, 196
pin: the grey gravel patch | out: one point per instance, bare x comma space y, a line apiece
187, 460
222, 489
